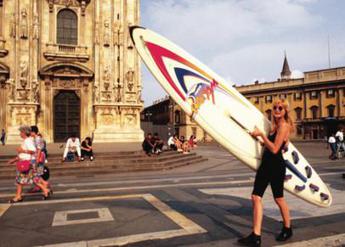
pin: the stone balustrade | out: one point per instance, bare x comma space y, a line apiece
66, 52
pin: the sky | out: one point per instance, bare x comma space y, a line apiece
245, 40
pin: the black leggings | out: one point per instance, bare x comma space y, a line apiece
267, 175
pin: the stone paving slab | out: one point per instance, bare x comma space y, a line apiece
298, 208
331, 241
130, 218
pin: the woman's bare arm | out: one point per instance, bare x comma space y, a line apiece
274, 147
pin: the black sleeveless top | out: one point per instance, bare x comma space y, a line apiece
270, 159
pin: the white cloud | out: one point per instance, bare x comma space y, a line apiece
243, 39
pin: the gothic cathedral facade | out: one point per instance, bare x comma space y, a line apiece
69, 66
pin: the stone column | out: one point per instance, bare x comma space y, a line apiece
118, 112
1, 18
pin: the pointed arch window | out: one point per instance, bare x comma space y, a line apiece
67, 27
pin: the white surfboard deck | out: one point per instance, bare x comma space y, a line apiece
222, 111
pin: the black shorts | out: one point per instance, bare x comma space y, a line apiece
275, 178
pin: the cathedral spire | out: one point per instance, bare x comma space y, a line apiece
286, 73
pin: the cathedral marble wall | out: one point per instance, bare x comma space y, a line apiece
93, 58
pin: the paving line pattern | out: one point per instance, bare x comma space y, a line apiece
188, 227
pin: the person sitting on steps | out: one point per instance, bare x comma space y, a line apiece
158, 144
172, 142
86, 149
184, 145
72, 146
148, 144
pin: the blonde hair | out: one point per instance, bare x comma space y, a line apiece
287, 116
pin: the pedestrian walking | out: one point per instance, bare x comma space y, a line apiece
272, 171
339, 136
25, 160
40, 158
333, 145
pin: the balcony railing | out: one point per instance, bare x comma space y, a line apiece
66, 52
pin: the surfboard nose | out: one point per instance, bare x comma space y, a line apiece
132, 29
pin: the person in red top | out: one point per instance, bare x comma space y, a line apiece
192, 141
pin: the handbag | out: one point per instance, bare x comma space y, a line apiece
23, 165
42, 158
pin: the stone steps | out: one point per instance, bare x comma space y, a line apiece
100, 157
115, 163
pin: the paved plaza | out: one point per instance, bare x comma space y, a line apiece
205, 204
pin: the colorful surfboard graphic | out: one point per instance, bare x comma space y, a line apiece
204, 89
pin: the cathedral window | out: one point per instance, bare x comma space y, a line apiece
67, 27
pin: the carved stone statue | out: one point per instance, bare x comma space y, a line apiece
106, 37
23, 24
106, 77
68, 3
23, 72
130, 79
35, 26
83, 7
2, 81
12, 89
35, 91
95, 94
13, 26
24, 95
139, 96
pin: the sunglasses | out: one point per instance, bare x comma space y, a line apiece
278, 108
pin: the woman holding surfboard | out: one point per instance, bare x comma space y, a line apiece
271, 171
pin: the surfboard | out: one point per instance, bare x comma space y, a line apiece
222, 111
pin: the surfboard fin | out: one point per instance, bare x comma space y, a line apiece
309, 171
295, 157
314, 188
324, 197
287, 177
299, 187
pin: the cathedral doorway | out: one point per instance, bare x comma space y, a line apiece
66, 115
